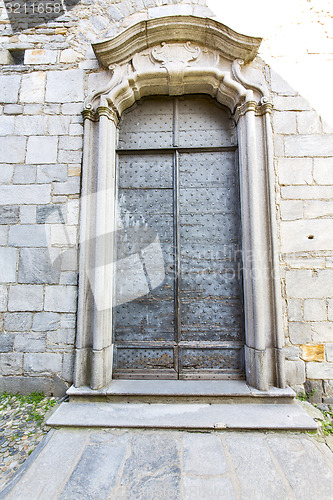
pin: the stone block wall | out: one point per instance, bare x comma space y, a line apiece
41, 134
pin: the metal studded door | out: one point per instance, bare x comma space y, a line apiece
178, 298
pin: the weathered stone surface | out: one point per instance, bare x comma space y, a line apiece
45, 321
255, 482
312, 352
30, 342
13, 109
25, 385
299, 333
17, 322
60, 298
59, 125
36, 125
7, 125
68, 367
6, 342
20, 194
3, 298
284, 122
33, 87
71, 88
25, 298
322, 332
319, 370
155, 456
323, 170
207, 487
309, 145
291, 352
295, 309
9, 215
50, 214
50, 173
42, 150
329, 352
24, 174
294, 455
11, 363
42, 362
12, 150
318, 208
27, 235
28, 214
308, 122
6, 173
307, 192
69, 260
203, 455
295, 170
314, 392
308, 235
316, 284
60, 338
295, 372
68, 278
96, 473
315, 310
291, 209
35, 266
8, 263
68, 320
3, 235
9, 85
40, 56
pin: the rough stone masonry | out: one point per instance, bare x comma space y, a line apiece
46, 70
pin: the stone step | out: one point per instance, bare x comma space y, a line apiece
180, 391
183, 416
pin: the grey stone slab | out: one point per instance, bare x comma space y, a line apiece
26, 385
152, 469
304, 466
35, 266
28, 235
17, 322
8, 264
12, 150
3, 297
71, 88
6, 342
46, 475
95, 475
50, 173
9, 215
25, 298
48, 214
203, 454
60, 298
42, 149
45, 321
11, 363
254, 467
25, 194
9, 85
184, 416
212, 488
42, 362
30, 342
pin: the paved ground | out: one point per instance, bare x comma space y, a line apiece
166, 465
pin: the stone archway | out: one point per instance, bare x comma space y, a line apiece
177, 56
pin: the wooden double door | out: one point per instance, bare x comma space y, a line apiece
178, 281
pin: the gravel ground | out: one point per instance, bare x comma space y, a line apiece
21, 429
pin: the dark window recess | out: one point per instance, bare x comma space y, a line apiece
17, 57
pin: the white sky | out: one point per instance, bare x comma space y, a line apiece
297, 42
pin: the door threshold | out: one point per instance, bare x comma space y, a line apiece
180, 391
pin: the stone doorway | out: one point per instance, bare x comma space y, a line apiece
178, 279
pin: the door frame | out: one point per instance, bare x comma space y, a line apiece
177, 56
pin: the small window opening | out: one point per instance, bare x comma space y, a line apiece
17, 56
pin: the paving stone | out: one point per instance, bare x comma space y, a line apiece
153, 455
203, 454
9, 215
25, 298
211, 488
17, 322
295, 455
35, 266
96, 473
45, 321
8, 263
254, 467
27, 235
